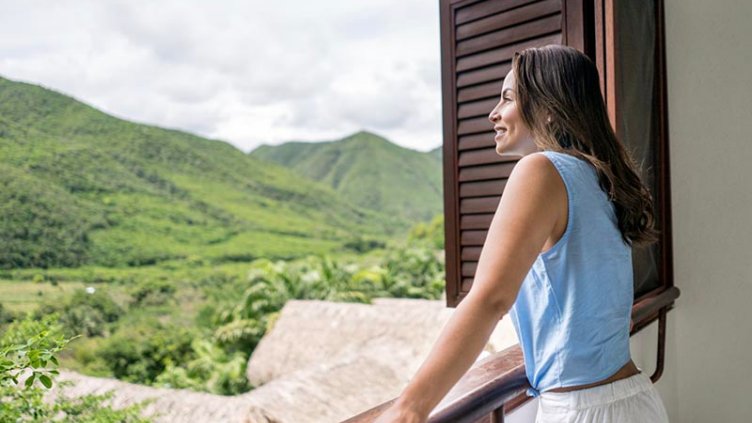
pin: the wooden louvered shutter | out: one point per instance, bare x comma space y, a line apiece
478, 41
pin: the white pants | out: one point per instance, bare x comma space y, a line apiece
629, 400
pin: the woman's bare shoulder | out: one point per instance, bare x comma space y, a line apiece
535, 178
538, 167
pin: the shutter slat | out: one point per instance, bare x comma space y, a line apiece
476, 238
479, 205
474, 125
482, 189
503, 54
468, 268
471, 253
477, 173
487, 74
477, 108
483, 9
515, 34
469, 142
481, 156
476, 221
466, 284
482, 91
512, 17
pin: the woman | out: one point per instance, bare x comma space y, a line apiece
557, 257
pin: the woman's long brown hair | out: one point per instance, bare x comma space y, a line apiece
559, 98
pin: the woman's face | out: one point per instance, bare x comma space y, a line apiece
512, 135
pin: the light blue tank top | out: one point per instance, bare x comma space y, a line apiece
573, 310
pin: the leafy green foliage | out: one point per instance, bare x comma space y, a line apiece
368, 170
94, 408
42, 224
87, 314
212, 369
363, 245
159, 346
152, 293
29, 346
6, 316
431, 233
415, 270
28, 350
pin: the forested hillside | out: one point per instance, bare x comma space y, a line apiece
370, 171
78, 186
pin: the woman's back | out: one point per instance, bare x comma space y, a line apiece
573, 310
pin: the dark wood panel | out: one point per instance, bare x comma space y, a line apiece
469, 267
488, 74
471, 253
474, 125
512, 17
482, 188
476, 238
467, 283
469, 142
477, 108
480, 156
503, 54
515, 34
476, 221
479, 205
478, 173
482, 91
486, 8
447, 24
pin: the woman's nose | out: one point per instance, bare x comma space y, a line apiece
493, 116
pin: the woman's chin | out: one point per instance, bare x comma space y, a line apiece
502, 149
499, 146
499, 150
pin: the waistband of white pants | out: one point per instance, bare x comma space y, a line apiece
597, 395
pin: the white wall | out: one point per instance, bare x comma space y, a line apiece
708, 374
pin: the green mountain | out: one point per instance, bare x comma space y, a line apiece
437, 153
368, 170
78, 186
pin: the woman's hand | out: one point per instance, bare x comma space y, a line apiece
399, 414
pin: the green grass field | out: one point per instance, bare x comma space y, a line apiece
23, 296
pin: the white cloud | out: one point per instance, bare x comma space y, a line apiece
248, 72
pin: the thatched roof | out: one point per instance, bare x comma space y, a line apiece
310, 332
354, 356
321, 362
169, 405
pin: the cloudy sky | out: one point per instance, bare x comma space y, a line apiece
248, 72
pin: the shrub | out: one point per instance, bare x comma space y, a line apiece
158, 346
28, 350
152, 293
362, 245
88, 314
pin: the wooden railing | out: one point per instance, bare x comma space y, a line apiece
496, 385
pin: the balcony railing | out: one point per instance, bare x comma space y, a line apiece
496, 385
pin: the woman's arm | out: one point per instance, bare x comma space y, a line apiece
524, 219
